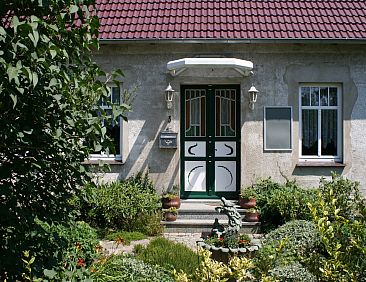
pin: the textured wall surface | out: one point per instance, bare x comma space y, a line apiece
278, 71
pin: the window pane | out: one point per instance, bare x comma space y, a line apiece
324, 96
314, 96
332, 96
116, 97
310, 132
305, 96
329, 132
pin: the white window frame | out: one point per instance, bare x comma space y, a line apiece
103, 155
339, 107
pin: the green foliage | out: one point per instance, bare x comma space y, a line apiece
210, 270
49, 88
130, 205
293, 272
123, 268
79, 242
341, 221
287, 245
248, 193
280, 203
169, 255
172, 210
127, 237
301, 236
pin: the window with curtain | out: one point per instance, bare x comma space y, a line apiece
320, 122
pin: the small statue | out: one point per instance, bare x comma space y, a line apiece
232, 213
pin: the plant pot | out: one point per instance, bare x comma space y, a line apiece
169, 216
169, 203
251, 216
247, 203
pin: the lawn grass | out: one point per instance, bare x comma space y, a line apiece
168, 254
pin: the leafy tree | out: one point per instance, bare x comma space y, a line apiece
49, 89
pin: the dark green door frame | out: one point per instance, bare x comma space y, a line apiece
210, 140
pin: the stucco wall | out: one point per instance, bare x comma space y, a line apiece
278, 70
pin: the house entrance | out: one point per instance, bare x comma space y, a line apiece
210, 141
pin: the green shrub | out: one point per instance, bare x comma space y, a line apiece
341, 221
123, 268
130, 205
287, 245
168, 254
294, 272
280, 203
301, 236
79, 244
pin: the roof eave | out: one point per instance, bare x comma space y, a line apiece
241, 40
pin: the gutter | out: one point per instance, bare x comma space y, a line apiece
237, 41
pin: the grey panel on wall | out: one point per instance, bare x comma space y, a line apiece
277, 128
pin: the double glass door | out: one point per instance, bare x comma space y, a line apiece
210, 141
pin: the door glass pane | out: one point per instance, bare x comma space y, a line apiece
195, 112
310, 132
329, 132
225, 112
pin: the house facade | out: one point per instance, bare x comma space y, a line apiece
227, 92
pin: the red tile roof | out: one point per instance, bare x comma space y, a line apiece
232, 19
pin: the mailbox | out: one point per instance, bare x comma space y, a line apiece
168, 139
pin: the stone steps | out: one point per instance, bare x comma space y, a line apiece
198, 216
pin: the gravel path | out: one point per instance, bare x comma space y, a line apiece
188, 239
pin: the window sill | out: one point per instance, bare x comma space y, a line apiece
96, 162
319, 164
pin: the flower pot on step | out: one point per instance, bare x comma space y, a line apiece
247, 203
170, 202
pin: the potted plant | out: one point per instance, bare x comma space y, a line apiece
170, 214
171, 199
247, 199
252, 215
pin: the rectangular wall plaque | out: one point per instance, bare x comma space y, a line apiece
277, 128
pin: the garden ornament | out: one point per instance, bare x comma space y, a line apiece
232, 213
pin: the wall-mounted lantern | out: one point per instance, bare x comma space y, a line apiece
253, 94
169, 93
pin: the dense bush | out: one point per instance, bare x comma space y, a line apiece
280, 203
209, 270
286, 245
130, 205
301, 236
123, 268
293, 272
168, 254
340, 217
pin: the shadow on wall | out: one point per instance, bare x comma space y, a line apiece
147, 155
